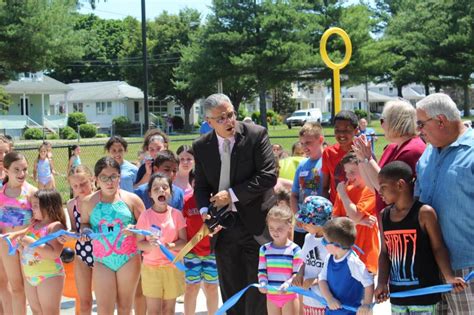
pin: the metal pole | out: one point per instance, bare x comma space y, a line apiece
145, 67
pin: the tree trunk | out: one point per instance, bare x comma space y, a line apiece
427, 89
437, 87
467, 100
399, 90
263, 106
187, 112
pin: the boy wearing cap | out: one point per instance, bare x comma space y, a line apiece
313, 215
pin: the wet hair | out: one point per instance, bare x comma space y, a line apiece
104, 163
280, 213
350, 158
397, 170
115, 139
347, 115
51, 205
191, 177
185, 148
311, 129
9, 159
340, 230
155, 177
164, 156
149, 137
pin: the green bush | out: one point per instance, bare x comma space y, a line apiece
87, 131
52, 136
273, 118
122, 126
360, 113
76, 119
101, 135
67, 133
256, 117
242, 113
33, 134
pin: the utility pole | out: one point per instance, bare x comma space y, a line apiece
145, 68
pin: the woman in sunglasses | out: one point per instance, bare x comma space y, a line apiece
116, 257
400, 127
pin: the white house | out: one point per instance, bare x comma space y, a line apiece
103, 101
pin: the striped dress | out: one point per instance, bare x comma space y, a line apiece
278, 264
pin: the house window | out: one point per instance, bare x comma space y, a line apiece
78, 107
103, 108
197, 110
158, 107
311, 90
391, 89
177, 110
312, 105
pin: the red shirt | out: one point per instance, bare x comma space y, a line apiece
409, 152
331, 167
193, 224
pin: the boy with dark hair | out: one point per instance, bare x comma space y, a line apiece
344, 278
413, 250
308, 175
345, 129
165, 163
357, 202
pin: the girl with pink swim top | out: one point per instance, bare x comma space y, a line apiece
116, 257
15, 214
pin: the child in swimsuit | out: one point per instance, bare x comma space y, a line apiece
75, 159
15, 214
81, 181
162, 282
42, 266
279, 263
109, 212
43, 169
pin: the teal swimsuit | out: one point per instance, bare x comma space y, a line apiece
113, 249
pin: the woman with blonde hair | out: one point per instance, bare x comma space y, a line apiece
399, 124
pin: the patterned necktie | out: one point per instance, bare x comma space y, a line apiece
224, 179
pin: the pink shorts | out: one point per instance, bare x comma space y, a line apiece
280, 299
311, 310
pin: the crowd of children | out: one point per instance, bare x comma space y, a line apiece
327, 236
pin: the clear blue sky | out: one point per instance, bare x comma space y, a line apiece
118, 9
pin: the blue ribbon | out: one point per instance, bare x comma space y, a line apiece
11, 248
236, 297
442, 288
45, 239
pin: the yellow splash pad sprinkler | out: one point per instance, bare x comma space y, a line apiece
336, 67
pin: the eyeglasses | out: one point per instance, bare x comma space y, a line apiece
225, 116
325, 242
106, 179
420, 124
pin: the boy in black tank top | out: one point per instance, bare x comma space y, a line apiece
413, 251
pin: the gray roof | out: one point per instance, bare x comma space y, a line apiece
374, 97
45, 85
100, 91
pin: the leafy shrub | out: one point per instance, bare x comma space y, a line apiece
360, 113
273, 118
242, 113
256, 117
67, 133
76, 119
101, 135
87, 130
33, 134
52, 136
122, 126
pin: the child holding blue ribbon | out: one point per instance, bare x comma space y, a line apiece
344, 279
313, 215
279, 262
413, 250
162, 282
42, 266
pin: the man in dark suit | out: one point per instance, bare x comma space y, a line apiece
235, 169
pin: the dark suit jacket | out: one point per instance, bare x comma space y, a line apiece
252, 174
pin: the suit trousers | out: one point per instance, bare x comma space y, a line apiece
237, 265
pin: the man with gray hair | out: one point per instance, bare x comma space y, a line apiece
446, 182
235, 171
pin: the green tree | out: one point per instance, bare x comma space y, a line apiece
37, 35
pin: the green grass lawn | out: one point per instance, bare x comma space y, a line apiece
92, 150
